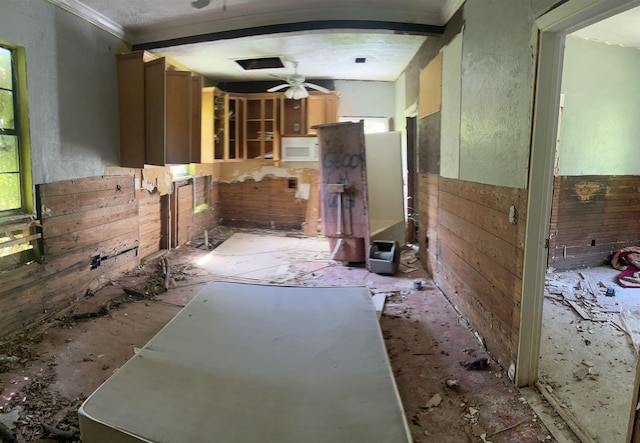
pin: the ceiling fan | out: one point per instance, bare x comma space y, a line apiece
296, 85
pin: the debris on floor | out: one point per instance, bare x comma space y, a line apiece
477, 364
60, 363
589, 350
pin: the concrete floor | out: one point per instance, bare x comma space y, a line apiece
590, 364
427, 341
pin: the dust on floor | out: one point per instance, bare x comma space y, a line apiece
588, 361
430, 347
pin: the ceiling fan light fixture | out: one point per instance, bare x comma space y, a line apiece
296, 92
299, 92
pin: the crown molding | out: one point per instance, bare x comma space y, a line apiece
92, 16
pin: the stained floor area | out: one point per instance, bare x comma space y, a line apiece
588, 361
48, 371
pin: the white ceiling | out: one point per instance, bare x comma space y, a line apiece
622, 29
322, 54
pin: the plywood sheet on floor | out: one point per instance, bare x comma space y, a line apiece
288, 364
268, 259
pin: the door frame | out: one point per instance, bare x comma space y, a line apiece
548, 38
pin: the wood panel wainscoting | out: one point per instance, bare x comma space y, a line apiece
90, 233
472, 243
592, 217
270, 203
150, 218
93, 230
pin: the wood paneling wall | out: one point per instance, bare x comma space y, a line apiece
475, 254
89, 221
592, 217
268, 203
150, 221
206, 194
82, 221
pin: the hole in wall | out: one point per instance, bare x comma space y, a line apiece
292, 183
593, 242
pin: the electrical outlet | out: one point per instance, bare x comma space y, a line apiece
513, 215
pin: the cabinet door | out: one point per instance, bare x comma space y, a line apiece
214, 125
154, 92
178, 117
207, 126
235, 128
167, 114
292, 116
196, 119
131, 107
315, 112
261, 127
321, 109
331, 108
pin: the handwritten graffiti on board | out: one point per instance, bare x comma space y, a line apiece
337, 160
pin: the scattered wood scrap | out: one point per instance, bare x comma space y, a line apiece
581, 312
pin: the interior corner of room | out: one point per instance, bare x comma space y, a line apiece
497, 144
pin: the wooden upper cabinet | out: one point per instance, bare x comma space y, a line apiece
298, 116
222, 125
293, 118
165, 123
131, 107
262, 133
321, 109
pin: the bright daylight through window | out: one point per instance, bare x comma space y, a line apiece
19, 232
10, 180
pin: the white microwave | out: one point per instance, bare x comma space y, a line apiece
299, 149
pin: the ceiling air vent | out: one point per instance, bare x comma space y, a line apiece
260, 63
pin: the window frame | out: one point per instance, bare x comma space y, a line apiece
21, 131
19, 226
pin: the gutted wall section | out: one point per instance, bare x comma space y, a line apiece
472, 223
592, 217
474, 246
90, 234
270, 203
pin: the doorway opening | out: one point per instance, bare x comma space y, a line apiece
580, 340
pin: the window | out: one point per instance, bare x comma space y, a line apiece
19, 232
371, 124
10, 180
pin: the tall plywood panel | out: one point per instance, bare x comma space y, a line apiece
345, 215
431, 87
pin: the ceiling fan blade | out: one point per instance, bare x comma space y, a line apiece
316, 87
279, 87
